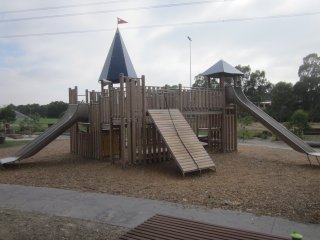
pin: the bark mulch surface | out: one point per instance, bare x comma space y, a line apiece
259, 180
17, 225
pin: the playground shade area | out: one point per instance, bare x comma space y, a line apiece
260, 180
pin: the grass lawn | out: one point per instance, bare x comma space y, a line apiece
13, 143
48, 120
255, 129
42, 125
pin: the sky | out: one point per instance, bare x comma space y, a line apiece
269, 35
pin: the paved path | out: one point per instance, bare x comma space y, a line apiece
129, 211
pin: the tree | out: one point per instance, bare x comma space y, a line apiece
171, 86
55, 109
255, 84
310, 67
244, 122
299, 122
307, 89
282, 101
202, 81
7, 114
30, 125
31, 109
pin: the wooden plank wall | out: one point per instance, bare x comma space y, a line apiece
231, 128
73, 99
123, 108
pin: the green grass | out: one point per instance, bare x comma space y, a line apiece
311, 138
48, 120
8, 144
246, 133
256, 129
203, 132
41, 126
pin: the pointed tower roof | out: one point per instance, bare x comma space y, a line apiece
222, 67
118, 61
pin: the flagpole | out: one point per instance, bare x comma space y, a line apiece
190, 40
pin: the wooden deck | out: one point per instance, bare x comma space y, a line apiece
161, 227
181, 141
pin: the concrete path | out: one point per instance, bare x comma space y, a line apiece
130, 212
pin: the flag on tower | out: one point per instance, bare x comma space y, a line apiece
121, 21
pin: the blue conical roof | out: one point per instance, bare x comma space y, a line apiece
222, 67
118, 61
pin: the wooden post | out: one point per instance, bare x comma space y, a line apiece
223, 127
139, 120
235, 119
128, 115
122, 123
133, 104
144, 135
87, 96
180, 97
111, 123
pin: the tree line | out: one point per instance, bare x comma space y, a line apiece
286, 98
52, 110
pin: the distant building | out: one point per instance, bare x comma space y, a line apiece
264, 105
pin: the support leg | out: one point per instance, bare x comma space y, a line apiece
309, 159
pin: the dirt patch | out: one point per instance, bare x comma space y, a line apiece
28, 225
260, 180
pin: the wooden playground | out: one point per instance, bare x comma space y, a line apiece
137, 124
132, 123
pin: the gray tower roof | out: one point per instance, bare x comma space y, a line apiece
118, 61
222, 67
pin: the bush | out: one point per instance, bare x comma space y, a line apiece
245, 134
264, 134
7, 114
299, 122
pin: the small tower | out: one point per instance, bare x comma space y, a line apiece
226, 74
117, 61
222, 70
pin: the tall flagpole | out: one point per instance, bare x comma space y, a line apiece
190, 40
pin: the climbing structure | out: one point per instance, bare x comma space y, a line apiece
132, 123
123, 128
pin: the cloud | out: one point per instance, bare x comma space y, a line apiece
41, 69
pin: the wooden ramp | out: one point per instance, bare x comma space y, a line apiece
181, 141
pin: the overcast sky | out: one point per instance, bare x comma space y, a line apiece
40, 69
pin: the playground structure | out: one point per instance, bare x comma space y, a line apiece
123, 123
134, 123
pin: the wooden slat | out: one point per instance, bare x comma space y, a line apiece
161, 227
180, 139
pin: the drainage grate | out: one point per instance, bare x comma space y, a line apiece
161, 227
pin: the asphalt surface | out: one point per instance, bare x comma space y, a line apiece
130, 212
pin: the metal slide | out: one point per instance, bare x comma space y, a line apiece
235, 94
74, 113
